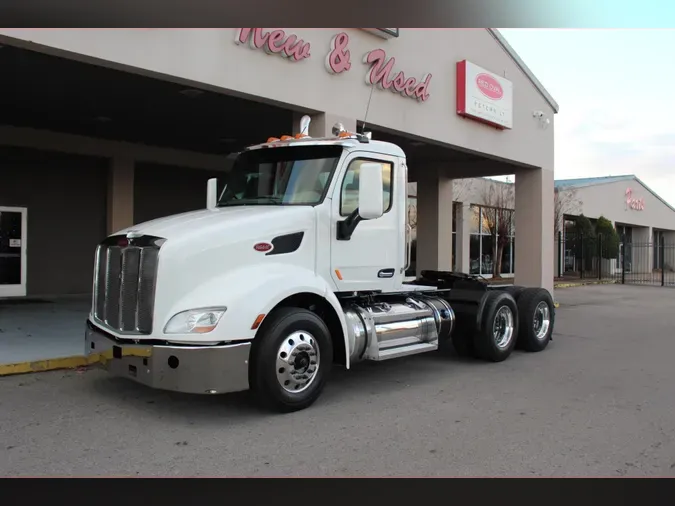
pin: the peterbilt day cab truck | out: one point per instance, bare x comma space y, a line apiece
298, 265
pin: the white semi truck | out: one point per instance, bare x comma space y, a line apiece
298, 265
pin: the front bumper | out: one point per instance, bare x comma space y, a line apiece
187, 369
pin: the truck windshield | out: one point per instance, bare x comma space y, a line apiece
294, 175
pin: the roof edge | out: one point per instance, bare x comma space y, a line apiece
659, 197
624, 177
521, 64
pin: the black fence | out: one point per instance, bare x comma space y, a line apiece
625, 261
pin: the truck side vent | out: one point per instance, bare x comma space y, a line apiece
124, 285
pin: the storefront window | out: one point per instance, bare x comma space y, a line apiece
475, 219
483, 238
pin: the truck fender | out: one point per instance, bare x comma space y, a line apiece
257, 290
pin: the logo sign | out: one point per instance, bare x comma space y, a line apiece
489, 86
263, 247
633, 203
484, 96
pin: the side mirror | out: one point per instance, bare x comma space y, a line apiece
370, 191
212, 193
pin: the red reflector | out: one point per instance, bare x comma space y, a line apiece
123, 243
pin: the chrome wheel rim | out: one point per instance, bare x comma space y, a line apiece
542, 320
502, 327
297, 362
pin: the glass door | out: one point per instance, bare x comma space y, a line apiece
13, 222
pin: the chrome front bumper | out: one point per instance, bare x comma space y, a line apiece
187, 369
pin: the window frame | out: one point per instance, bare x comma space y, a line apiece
367, 159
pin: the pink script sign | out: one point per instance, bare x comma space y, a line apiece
275, 42
338, 60
632, 203
380, 75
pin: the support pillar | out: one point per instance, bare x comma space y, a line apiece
535, 244
322, 124
463, 238
434, 221
120, 194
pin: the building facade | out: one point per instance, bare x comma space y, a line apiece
102, 129
483, 224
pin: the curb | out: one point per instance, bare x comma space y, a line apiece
52, 364
574, 285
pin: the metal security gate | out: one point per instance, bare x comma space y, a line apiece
628, 262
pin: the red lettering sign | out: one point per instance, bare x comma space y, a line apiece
636, 204
275, 42
380, 75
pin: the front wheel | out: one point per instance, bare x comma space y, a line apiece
291, 359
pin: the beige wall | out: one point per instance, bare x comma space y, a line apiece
609, 200
211, 59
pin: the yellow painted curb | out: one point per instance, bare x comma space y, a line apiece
573, 285
49, 365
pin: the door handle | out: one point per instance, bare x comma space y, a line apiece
386, 273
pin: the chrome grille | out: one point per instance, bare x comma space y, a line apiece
124, 284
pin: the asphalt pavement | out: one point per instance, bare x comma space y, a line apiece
599, 401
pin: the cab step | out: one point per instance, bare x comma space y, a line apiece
402, 351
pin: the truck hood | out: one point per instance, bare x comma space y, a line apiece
259, 218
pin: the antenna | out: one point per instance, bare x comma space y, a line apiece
365, 118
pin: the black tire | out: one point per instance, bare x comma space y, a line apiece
515, 291
274, 333
484, 341
528, 303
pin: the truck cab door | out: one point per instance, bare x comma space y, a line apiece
371, 259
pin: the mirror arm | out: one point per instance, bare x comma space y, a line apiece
346, 227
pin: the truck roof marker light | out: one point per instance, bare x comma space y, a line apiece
337, 129
286, 137
273, 139
338, 274
301, 136
258, 320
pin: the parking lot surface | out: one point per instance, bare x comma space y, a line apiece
599, 401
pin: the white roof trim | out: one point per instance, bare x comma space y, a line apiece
528, 73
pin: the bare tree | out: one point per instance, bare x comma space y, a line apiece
461, 189
498, 219
565, 202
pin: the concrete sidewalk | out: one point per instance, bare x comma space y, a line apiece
33, 331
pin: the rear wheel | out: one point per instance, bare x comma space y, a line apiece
515, 291
291, 358
495, 339
537, 316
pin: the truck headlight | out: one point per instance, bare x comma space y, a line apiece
195, 321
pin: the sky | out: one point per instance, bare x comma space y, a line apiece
616, 93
